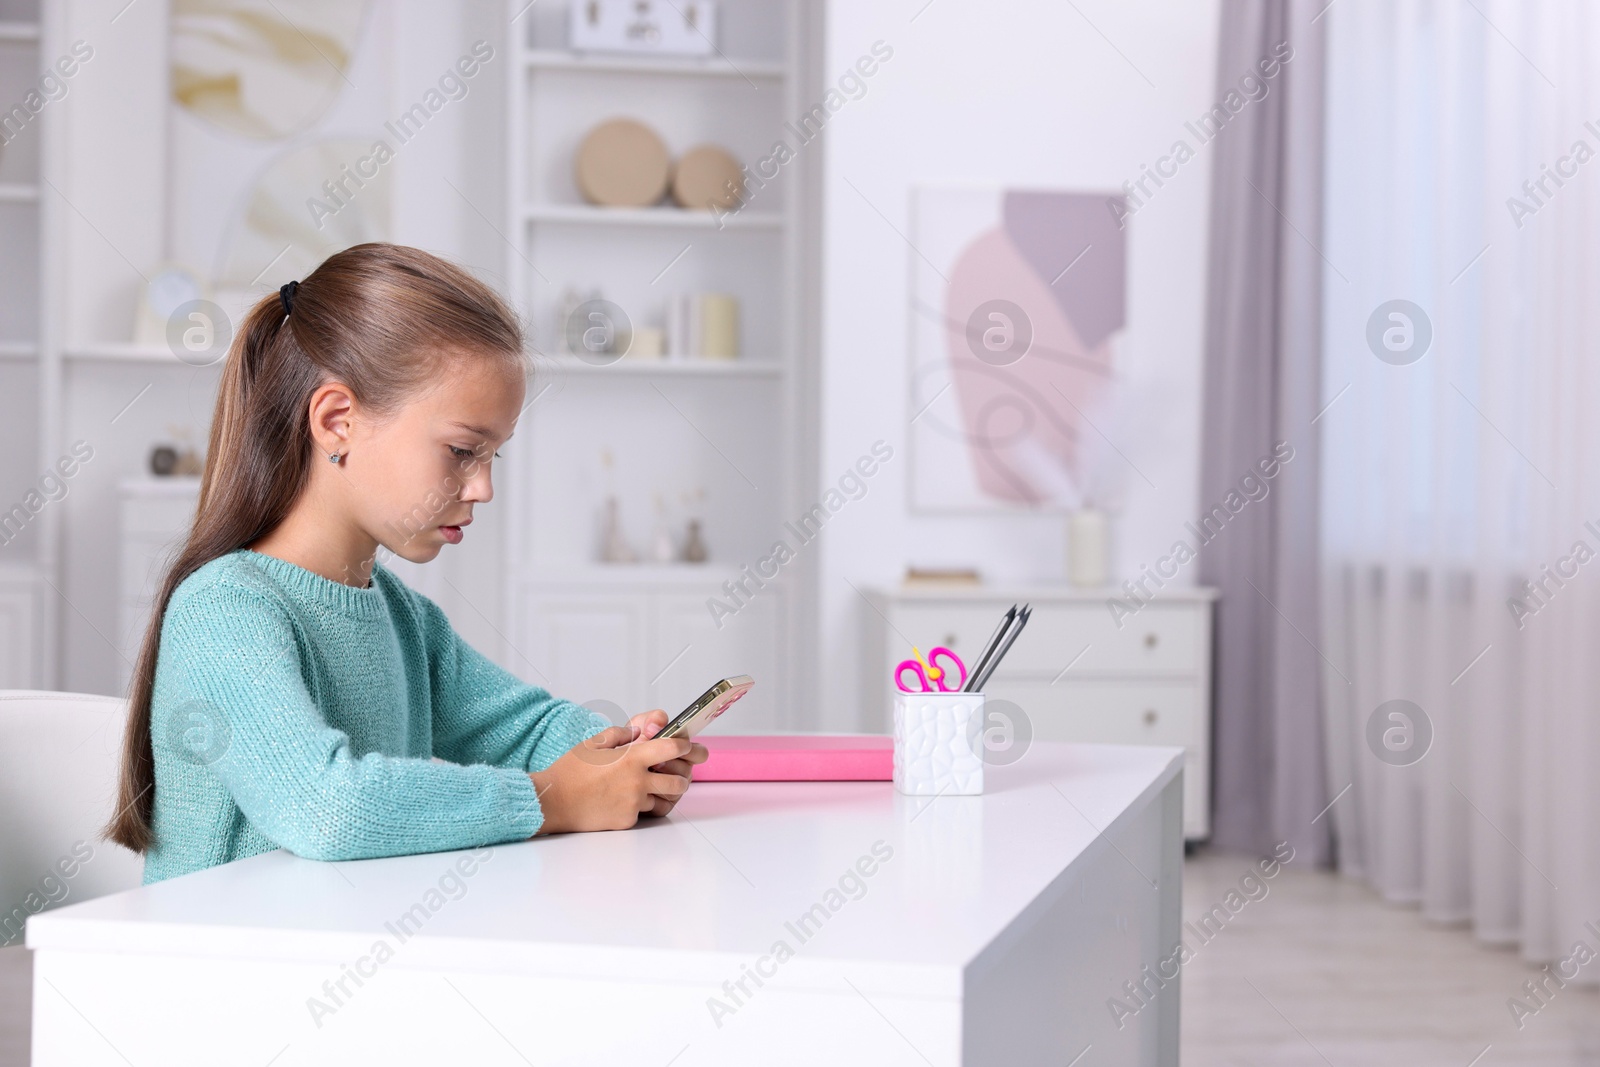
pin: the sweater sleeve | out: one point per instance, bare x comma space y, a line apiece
485, 714
294, 776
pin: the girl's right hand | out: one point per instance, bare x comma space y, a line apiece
603, 783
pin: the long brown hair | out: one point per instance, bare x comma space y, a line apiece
379, 318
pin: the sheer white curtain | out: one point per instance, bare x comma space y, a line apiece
1451, 480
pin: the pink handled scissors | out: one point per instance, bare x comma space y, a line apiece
934, 674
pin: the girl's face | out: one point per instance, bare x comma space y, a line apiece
418, 473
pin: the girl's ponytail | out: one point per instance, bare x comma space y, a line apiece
380, 318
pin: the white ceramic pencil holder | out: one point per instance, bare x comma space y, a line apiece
938, 743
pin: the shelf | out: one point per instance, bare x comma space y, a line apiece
666, 368
586, 215
19, 31
18, 193
552, 59
126, 352
18, 350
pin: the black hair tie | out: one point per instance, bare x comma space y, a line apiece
286, 296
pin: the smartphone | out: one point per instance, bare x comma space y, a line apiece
713, 702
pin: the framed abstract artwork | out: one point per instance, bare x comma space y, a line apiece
1018, 301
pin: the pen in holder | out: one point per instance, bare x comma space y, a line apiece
938, 743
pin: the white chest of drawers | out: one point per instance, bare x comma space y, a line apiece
1074, 674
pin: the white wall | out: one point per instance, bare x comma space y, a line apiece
1021, 95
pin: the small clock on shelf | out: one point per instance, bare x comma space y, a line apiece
655, 27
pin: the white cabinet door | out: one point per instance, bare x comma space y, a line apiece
690, 652
586, 648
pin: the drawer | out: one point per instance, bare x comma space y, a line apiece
1113, 713
1161, 638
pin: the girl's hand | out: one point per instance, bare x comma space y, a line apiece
650, 723
684, 766
605, 782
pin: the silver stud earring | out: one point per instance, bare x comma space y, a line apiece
333, 457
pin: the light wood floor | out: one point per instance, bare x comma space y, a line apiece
1321, 973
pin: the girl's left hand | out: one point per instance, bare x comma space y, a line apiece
650, 723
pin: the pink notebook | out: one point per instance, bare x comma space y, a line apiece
796, 758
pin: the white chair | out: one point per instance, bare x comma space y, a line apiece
59, 759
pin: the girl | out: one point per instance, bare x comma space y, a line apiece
291, 692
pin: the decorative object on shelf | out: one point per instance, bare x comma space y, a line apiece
572, 298
649, 342
614, 548
702, 325
694, 546
683, 327
622, 163
719, 326
1088, 548
707, 178
186, 459
171, 286
662, 549
660, 27
599, 332
163, 461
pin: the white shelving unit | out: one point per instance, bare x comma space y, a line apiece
21, 273
643, 635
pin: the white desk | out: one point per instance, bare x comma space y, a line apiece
994, 933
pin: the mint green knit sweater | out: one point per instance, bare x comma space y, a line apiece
297, 712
